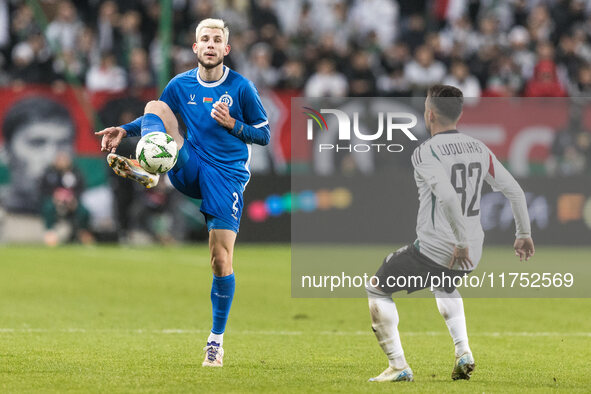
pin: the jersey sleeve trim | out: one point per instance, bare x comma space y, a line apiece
491, 166
262, 124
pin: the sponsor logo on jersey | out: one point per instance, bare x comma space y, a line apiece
191, 100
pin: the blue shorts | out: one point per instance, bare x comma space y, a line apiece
222, 197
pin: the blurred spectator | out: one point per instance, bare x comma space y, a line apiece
292, 75
362, 82
107, 22
582, 85
414, 33
424, 70
23, 23
460, 78
61, 187
233, 14
523, 57
131, 36
482, 62
545, 81
262, 13
75, 63
505, 79
326, 82
488, 34
394, 84
63, 30
395, 57
259, 68
140, 75
582, 47
567, 57
539, 23
379, 16
32, 61
107, 76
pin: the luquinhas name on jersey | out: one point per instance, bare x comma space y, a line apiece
458, 148
361, 148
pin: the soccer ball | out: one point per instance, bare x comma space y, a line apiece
156, 152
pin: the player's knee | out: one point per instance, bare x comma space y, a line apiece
221, 261
159, 108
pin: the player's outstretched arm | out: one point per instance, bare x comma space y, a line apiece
112, 137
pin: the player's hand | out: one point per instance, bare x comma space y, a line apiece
462, 258
112, 137
221, 113
524, 248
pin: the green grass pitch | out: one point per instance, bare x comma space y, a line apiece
109, 319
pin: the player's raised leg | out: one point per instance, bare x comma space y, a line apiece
451, 307
221, 247
384, 322
158, 117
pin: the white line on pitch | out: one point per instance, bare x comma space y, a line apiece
286, 333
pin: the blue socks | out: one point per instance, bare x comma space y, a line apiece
152, 122
222, 293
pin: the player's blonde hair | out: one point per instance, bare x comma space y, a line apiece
211, 23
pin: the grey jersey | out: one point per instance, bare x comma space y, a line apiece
450, 169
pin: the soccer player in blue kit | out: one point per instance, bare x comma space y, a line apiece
224, 116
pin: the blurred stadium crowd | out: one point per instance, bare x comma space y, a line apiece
320, 48
534, 48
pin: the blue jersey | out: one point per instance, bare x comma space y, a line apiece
228, 150
192, 98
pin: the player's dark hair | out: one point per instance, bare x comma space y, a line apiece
33, 110
447, 100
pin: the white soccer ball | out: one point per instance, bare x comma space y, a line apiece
156, 152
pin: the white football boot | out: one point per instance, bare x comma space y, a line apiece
130, 168
394, 375
214, 355
463, 367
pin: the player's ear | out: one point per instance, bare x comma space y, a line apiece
194, 47
227, 50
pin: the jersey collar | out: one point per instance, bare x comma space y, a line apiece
213, 84
453, 131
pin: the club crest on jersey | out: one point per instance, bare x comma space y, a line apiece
226, 98
191, 100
